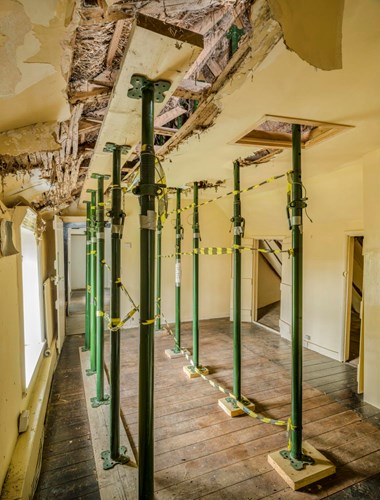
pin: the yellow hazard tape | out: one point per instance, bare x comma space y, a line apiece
249, 412
116, 324
105, 264
225, 195
225, 250
148, 322
100, 313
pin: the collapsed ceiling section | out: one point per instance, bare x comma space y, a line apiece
59, 65
95, 52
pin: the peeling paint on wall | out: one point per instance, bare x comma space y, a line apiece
14, 25
35, 57
30, 139
312, 29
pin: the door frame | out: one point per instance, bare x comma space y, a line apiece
348, 274
59, 266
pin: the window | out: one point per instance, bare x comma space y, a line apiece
32, 296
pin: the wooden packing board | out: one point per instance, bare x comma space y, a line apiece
297, 479
159, 51
119, 483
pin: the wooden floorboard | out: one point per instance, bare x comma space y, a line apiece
68, 466
200, 452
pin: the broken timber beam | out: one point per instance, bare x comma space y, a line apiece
168, 116
192, 89
159, 51
253, 50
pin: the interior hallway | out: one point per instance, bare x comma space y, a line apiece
68, 466
200, 451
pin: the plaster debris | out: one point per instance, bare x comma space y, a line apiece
30, 139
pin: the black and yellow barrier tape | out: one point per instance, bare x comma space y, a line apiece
262, 418
225, 250
225, 195
115, 324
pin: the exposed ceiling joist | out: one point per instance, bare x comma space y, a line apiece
159, 51
113, 46
191, 89
265, 34
168, 116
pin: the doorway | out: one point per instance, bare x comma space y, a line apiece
75, 274
353, 345
268, 283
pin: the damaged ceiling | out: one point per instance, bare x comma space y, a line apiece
59, 65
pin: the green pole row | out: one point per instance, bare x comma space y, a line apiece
178, 240
92, 315
88, 282
100, 398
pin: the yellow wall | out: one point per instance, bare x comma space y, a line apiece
13, 397
214, 271
371, 284
11, 391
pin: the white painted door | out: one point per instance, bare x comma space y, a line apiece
59, 265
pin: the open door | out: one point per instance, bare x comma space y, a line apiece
59, 266
267, 283
353, 339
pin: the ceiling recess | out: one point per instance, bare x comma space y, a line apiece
276, 132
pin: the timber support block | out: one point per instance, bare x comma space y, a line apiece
173, 353
308, 474
229, 405
191, 372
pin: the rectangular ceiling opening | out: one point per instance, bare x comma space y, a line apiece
276, 132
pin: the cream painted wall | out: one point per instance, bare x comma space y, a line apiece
335, 206
215, 271
13, 398
371, 283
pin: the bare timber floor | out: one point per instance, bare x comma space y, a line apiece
200, 452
